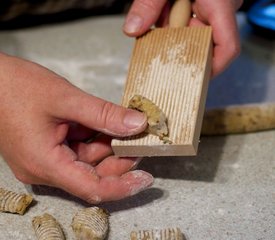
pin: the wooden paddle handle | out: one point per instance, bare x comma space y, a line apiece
180, 13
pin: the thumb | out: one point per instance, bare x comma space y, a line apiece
142, 15
98, 114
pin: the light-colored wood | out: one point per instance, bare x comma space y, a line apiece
180, 13
171, 67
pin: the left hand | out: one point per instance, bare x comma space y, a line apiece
44, 124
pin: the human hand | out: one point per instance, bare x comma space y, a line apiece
44, 122
218, 14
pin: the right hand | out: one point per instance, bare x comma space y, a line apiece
44, 123
218, 14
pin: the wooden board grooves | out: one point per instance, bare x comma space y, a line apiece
169, 66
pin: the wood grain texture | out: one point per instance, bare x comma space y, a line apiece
171, 67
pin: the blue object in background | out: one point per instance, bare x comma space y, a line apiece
262, 16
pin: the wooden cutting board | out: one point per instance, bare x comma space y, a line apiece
171, 67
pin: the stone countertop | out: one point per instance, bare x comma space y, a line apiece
226, 192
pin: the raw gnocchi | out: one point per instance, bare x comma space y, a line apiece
91, 224
14, 202
158, 234
46, 227
157, 121
239, 119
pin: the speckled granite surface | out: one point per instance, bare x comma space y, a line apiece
226, 192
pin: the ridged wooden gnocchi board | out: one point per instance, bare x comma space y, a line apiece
171, 67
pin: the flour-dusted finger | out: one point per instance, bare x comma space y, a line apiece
46, 227
158, 234
239, 119
14, 202
91, 224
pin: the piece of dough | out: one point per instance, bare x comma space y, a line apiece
157, 121
158, 234
239, 119
46, 227
91, 224
14, 202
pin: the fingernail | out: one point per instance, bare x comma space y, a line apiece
135, 164
95, 199
142, 181
133, 24
134, 119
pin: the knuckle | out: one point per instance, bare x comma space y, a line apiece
107, 113
150, 5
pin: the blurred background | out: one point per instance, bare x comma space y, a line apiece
24, 13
